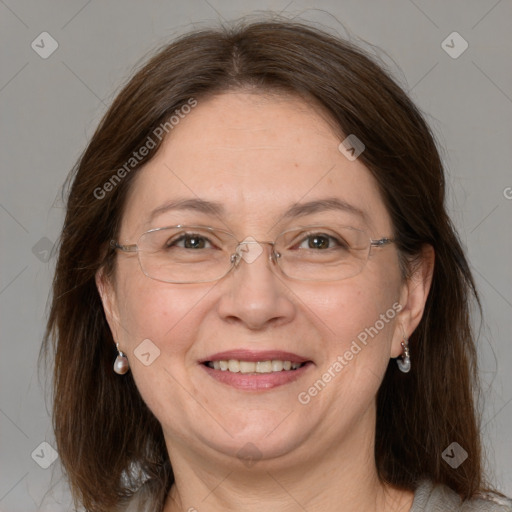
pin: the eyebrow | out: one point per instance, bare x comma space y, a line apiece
321, 205
296, 210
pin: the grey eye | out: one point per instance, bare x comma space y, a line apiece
189, 241
321, 241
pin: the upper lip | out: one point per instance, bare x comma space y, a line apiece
255, 356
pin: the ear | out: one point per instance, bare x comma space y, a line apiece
413, 297
108, 299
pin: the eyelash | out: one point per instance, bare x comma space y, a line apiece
184, 236
304, 238
337, 242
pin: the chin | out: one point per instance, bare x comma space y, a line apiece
262, 440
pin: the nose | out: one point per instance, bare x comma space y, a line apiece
250, 249
254, 294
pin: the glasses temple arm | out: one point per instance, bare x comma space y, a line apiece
381, 241
124, 248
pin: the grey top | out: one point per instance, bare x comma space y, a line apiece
427, 498
439, 498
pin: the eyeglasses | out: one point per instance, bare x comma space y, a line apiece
201, 254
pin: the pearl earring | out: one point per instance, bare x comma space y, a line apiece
121, 365
404, 361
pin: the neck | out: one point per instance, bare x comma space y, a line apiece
342, 477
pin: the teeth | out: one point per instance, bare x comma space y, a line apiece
236, 366
263, 366
277, 366
247, 367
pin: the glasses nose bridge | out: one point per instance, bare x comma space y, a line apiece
239, 252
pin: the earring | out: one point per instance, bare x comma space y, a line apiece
404, 361
121, 365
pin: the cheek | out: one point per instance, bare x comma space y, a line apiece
162, 320
354, 308
161, 312
360, 317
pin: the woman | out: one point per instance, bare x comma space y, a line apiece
256, 237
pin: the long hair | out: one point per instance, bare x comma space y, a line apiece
108, 440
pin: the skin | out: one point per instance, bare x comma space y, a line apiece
257, 155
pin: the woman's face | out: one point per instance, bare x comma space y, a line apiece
256, 157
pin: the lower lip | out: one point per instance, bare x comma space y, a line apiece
257, 382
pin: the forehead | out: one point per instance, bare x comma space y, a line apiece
257, 156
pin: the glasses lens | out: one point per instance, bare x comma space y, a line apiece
195, 254
186, 254
317, 253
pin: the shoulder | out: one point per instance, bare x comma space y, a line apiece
431, 497
428, 497
143, 500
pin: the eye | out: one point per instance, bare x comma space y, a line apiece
321, 241
189, 241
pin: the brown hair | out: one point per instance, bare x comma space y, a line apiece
107, 438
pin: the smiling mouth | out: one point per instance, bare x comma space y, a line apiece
252, 367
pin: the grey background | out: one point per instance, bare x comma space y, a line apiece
50, 107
